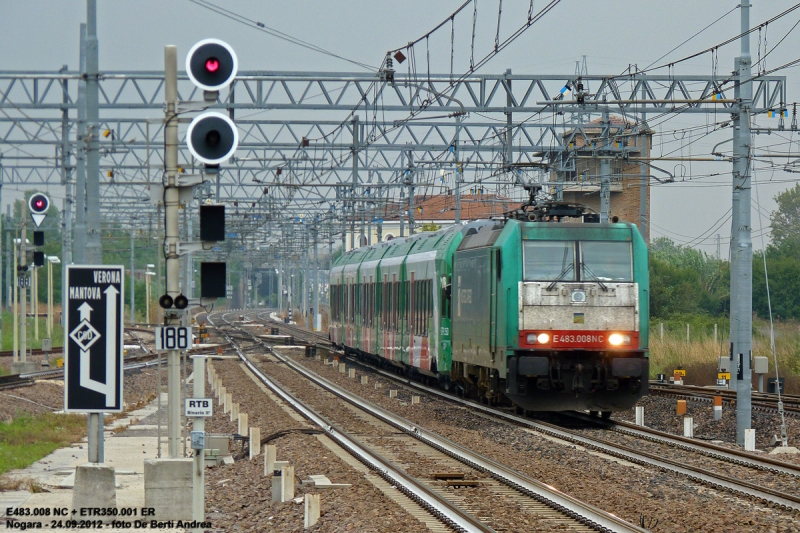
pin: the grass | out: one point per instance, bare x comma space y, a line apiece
699, 356
29, 438
57, 334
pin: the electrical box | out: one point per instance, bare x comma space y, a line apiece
760, 365
198, 440
724, 364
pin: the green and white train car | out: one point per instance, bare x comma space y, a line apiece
553, 316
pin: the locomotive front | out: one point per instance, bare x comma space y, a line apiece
581, 340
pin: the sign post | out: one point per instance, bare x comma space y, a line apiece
93, 341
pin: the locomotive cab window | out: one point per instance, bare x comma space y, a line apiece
549, 260
606, 261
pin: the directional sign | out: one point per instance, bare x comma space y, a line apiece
93, 339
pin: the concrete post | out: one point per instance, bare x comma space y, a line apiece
255, 442
717, 407
688, 426
750, 440
242, 430
311, 510
287, 483
640, 415
269, 459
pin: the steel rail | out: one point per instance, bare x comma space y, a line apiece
572, 507
424, 496
711, 450
761, 401
697, 474
708, 449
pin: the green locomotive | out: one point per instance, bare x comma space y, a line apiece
551, 315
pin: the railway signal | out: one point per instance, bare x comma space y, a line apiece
38, 204
212, 65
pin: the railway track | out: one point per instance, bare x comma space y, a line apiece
498, 481
760, 401
699, 461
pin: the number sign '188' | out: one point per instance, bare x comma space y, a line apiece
173, 338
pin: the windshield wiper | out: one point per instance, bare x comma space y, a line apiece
558, 278
593, 276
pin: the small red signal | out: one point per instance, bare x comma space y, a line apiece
39, 204
212, 64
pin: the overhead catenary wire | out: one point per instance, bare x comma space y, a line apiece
260, 26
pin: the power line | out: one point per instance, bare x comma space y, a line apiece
260, 26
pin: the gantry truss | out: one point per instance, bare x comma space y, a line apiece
335, 146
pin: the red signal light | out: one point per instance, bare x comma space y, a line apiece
212, 64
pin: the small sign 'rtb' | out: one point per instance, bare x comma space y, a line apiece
198, 406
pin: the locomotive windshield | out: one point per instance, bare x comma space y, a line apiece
596, 261
606, 261
549, 260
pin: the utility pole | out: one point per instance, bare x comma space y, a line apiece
133, 301
741, 243
644, 151
23, 312
605, 170
66, 253
509, 155
172, 202
317, 314
79, 254
459, 174
409, 182
355, 183
94, 252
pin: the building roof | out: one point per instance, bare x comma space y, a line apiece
442, 207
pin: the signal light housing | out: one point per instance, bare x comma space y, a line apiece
212, 279
212, 138
165, 301
212, 222
211, 64
181, 302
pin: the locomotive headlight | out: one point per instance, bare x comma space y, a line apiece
537, 338
616, 339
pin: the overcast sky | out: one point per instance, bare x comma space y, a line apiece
43, 35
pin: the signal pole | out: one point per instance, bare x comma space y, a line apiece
171, 205
23, 312
741, 243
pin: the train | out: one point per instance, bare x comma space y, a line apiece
545, 308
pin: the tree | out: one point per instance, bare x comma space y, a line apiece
686, 281
786, 219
